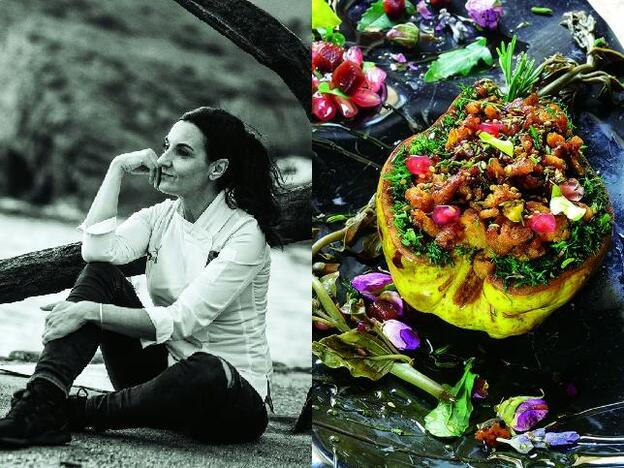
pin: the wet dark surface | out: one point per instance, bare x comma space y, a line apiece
579, 348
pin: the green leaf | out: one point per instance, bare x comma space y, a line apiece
375, 19
342, 351
325, 89
506, 146
323, 16
450, 419
459, 61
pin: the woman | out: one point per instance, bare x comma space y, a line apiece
198, 360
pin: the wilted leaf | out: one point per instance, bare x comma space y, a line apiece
450, 419
342, 351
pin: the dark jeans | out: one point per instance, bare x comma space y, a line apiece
203, 395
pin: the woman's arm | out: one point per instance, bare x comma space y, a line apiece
66, 317
104, 205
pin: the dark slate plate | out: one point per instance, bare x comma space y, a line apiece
580, 346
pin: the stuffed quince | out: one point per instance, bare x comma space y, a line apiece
492, 218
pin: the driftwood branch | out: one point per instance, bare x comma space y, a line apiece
53, 270
262, 36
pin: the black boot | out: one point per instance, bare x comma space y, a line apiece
76, 405
38, 416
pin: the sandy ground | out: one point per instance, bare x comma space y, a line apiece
279, 447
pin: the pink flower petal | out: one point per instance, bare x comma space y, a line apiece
400, 58
572, 190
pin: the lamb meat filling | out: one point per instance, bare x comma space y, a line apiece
505, 180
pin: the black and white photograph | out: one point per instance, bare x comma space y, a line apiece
155, 182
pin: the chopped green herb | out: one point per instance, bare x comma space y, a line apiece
325, 89
536, 137
541, 10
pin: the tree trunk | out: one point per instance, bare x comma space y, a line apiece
262, 36
53, 270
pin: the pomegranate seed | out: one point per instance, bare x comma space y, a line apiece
382, 311
362, 327
346, 107
543, 223
366, 98
445, 214
493, 128
326, 56
418, 165
375, 77
323, 107
354, 54
572, 190
394, 8
348, 77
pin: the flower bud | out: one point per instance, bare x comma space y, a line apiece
400, 335
407, 34
521, 413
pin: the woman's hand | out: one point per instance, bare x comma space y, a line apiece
140, 162
66, 317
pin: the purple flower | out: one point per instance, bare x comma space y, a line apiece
480, 389
400, 58
521, 413
554, 439
423, 10
393, 298
539, 438
371, 284
570, 390
400, 335
485, 13
529, 413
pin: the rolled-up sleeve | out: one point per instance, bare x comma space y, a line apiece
106, 241
219, 283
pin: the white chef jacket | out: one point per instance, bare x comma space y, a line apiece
208, 280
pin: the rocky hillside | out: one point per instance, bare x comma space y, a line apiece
84, 80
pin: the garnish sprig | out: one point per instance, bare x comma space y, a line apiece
524, 75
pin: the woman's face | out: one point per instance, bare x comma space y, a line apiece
184, 166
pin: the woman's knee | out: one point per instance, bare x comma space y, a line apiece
100, 282
210, 371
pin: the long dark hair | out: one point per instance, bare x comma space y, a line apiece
251, 179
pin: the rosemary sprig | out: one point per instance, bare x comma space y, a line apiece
519, 81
